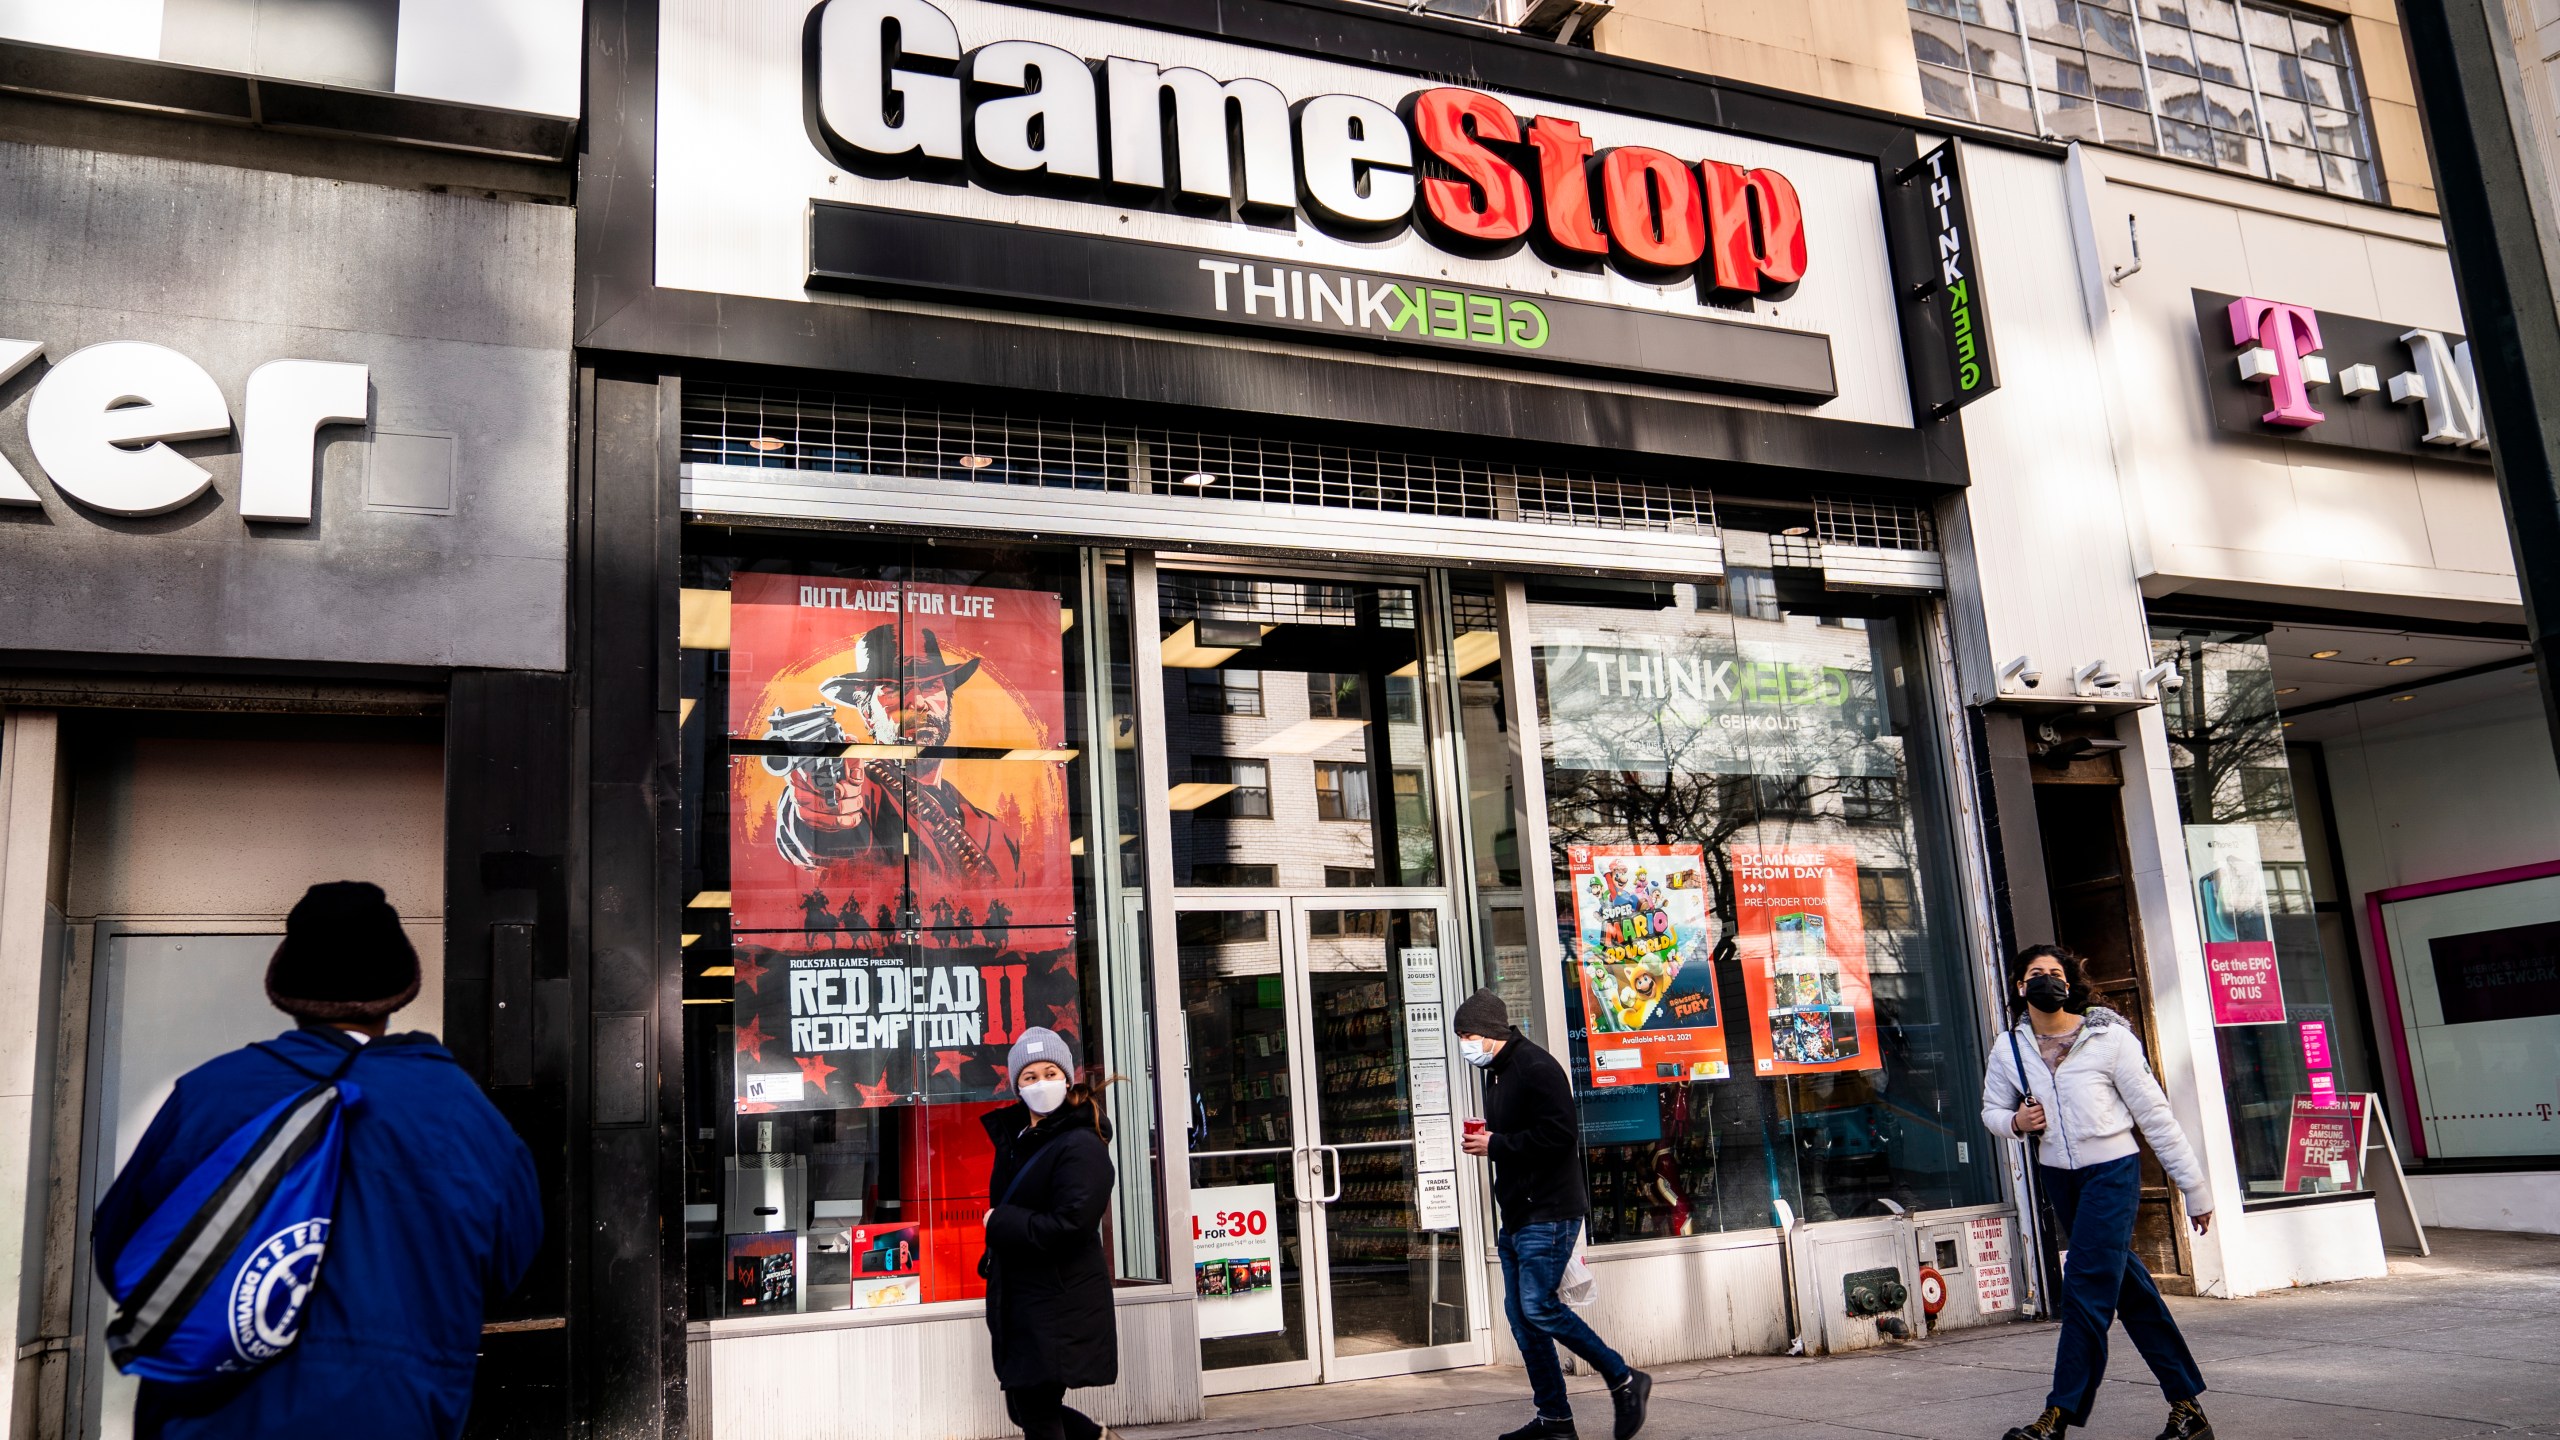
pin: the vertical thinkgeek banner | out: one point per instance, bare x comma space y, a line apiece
1938, 270
901, 889
1804, 956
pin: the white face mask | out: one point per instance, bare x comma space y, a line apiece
1044, 1096
1472, 1050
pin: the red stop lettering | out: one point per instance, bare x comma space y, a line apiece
1564, 183
1492, 204
1755, 229
1656, 220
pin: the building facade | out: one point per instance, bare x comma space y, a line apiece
284, 529
1220, 540
1189, 537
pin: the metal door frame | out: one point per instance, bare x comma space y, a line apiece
1307, 1169
91, 1169
1476, 1348
1437, 709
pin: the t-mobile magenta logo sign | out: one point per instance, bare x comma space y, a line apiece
2285, 336
2280, 348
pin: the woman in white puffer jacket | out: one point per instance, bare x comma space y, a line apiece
2077, 1085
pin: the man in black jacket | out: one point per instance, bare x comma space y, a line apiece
1534, 1139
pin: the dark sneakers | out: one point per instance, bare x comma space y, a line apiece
1629, 1397
1542, 1428
2047, 1426
2186, 1422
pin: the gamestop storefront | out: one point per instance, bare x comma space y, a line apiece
1219, 544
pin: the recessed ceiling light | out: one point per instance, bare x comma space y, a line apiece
2402, 660
2324, 654
1797, 530
2396, 699
764, 442
2287, 689
2288, 724
1199, 479
976, 462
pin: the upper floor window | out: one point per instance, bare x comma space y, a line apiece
2247, 86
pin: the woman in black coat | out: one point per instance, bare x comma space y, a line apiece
1049, 1309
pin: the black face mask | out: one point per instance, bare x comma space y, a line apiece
2047, 992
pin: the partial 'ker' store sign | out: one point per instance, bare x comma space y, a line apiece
972, 151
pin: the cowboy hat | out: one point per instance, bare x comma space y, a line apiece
877, 662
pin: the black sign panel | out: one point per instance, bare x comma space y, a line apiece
2370, 421
888, 251
2511, 974
1938, 280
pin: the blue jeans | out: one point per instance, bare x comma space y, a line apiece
2103, 1282
1533, 1261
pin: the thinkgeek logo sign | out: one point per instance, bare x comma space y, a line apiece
1940, 268
895, 88
2335, 379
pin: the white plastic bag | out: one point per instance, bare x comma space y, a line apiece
1579, 1287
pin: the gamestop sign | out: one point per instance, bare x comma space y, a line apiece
994, 154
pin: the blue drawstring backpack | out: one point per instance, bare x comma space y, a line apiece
217, 1280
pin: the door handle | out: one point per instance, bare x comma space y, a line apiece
1322, 1151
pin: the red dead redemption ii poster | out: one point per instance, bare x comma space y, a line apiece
901, 892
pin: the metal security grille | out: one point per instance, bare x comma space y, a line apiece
1876, 524
763, 427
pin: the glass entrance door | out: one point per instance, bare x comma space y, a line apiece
1329, 1232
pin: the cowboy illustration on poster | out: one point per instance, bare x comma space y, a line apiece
901, 871
863, 809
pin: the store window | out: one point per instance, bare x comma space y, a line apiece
1324, 740
2276, 1023
1766, 998
1494, 818
2254, 88
906, 837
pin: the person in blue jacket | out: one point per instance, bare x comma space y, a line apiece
437, 1209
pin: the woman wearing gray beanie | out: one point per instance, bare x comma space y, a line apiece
1049, 1309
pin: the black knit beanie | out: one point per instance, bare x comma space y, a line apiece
1482, 1014
344, 957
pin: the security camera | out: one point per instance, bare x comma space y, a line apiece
2021, 670
2159, 680
2094, 677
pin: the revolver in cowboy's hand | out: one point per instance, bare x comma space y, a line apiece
814, 726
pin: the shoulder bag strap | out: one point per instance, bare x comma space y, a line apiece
2017, 1057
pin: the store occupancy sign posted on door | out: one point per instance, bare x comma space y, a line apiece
1644, 954
1804, 956
1235, 1260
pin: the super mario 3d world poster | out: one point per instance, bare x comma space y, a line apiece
902, 896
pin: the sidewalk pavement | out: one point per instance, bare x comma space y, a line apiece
2464, 1343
